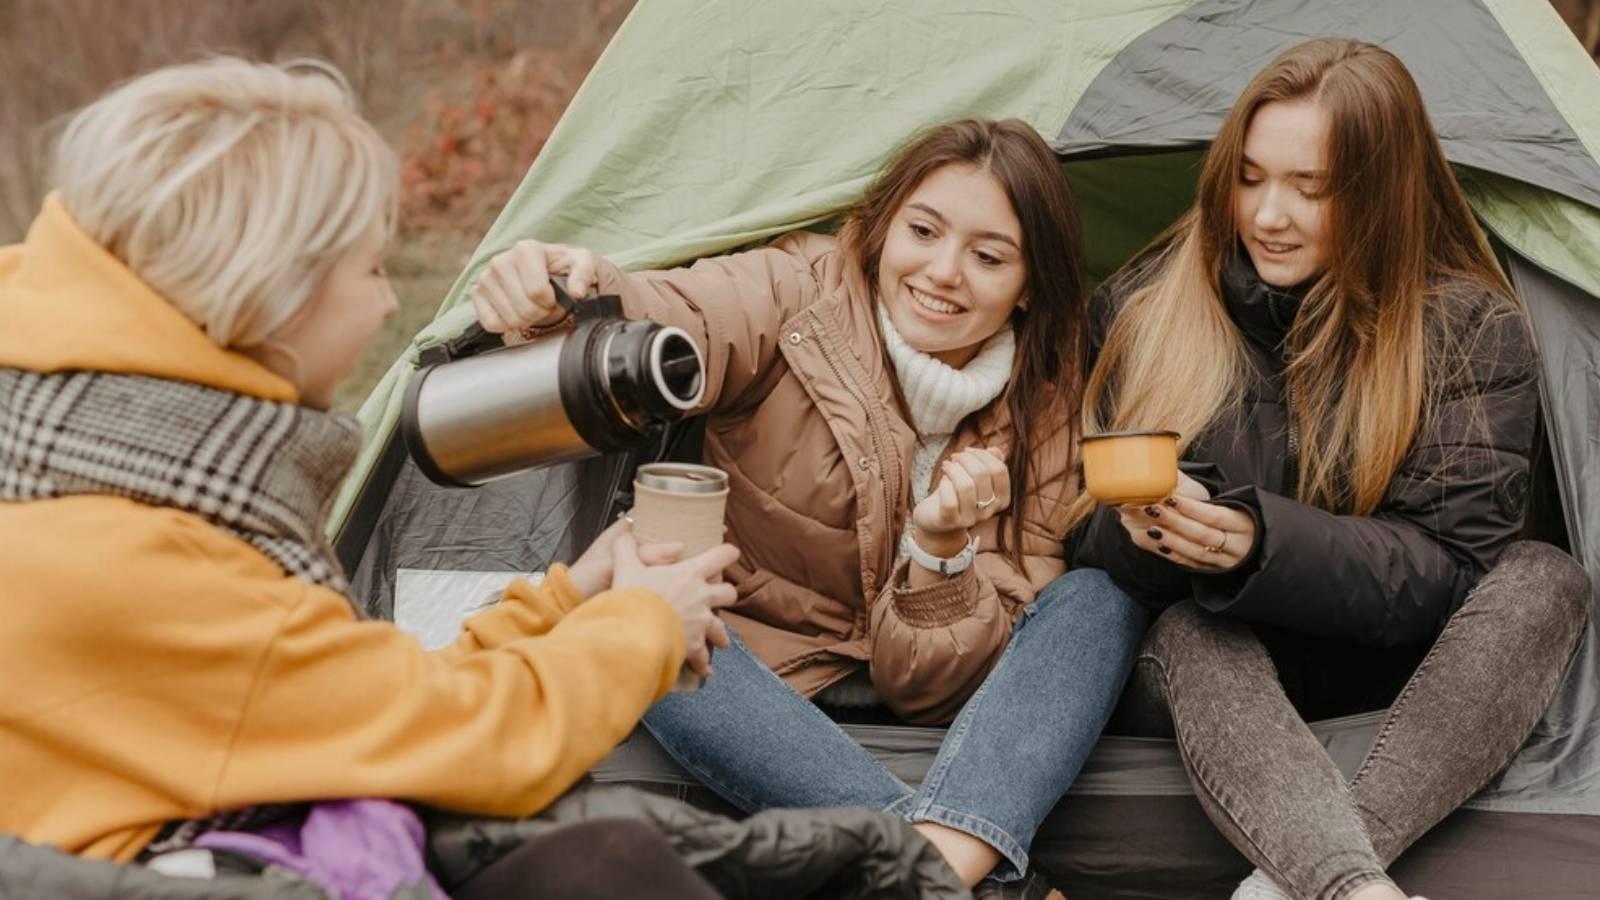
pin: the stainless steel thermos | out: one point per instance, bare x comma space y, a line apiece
472, 415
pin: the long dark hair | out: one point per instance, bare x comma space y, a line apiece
1046, 382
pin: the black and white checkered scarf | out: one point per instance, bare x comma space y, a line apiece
265, 472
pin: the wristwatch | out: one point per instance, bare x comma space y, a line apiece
946, 566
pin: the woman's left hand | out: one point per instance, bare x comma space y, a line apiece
1191, 531
974, 486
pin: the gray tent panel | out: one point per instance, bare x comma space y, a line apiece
1566, 328
1119, 766
1173, 85
1557, 768
520, 524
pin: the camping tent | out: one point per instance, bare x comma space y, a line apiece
712, 124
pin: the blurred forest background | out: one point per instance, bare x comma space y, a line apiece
466, 90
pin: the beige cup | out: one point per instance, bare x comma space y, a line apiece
680, 503
1125, 468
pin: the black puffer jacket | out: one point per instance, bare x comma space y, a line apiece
780, 854
1391, 578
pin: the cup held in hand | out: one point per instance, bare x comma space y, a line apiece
1123, 468
680, 503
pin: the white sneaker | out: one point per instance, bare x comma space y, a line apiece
1259, 887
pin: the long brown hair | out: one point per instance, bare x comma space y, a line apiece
1361, 368
1052, 333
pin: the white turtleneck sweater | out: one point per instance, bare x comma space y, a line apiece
939, 396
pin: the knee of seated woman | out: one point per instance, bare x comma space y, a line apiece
1078, 582
1536, 583
1185, 631
1091, 588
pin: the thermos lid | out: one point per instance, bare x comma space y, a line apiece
682, 478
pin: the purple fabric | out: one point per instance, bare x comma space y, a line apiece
354, 849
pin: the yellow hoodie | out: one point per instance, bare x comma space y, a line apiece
154, 668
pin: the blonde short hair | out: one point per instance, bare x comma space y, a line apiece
230, 187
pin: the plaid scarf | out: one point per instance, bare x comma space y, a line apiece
264, 472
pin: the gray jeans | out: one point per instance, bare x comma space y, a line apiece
1267, 783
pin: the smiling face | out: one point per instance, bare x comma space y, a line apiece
952, 267
1280, 201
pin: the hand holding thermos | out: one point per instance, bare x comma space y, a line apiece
573, 379
514, 293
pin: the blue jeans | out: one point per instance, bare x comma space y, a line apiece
1004, 763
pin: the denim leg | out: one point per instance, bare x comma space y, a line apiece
1268, 784
1475, 698
1259, 773
757, 743
1021, 739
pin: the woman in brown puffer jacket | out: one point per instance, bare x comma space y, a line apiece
895, 408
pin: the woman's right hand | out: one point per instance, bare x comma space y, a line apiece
514, 293
693, 587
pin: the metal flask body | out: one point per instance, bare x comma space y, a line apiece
606, 384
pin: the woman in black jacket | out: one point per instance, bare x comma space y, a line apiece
1357, 391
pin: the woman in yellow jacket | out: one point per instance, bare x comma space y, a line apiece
176, 640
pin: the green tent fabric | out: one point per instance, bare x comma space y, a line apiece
705, 126
712, 124
708, 125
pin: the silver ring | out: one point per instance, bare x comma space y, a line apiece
985, 504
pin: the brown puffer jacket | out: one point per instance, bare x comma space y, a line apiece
805, 420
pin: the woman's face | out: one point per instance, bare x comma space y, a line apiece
326, 336
952, 268
1280, 202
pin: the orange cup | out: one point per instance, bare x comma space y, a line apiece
1130, 468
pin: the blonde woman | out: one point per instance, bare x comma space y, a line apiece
1356, 388
180, 656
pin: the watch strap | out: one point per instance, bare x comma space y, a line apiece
944, 565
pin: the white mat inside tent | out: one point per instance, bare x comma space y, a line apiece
431, 604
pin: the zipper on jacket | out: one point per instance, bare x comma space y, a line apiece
1292, 462
872, 435
1294, 440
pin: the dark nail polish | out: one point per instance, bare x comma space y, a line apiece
1164, 549
1171, 501
1152, 512
1155, 533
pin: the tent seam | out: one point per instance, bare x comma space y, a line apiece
1539, 68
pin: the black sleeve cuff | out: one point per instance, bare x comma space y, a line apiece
1216, 590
